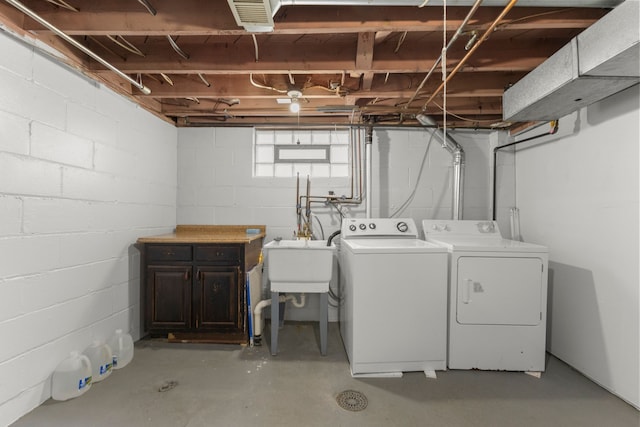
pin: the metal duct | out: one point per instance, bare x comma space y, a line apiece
257, 15
599, 62
276, 4
457, 152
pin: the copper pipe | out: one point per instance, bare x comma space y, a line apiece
485, 36
473, 10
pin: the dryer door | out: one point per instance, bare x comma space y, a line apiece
499, 291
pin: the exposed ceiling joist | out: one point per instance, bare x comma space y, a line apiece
348, 62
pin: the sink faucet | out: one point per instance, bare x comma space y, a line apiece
305, 233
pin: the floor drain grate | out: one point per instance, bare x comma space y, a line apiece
352, 400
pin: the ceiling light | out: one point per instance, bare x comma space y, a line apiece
295, 95
294, 107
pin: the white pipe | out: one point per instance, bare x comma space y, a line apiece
458, 182
257, 312
295, 302
77, 45
257, 315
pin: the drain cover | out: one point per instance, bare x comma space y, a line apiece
352, 400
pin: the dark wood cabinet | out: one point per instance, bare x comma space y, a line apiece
196, 291
169, 289
219, 291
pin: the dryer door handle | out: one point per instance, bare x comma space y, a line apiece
466, 291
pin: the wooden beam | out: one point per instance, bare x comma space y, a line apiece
364, 51
364, 57
214, 17
269, 107
317, 86
324, 56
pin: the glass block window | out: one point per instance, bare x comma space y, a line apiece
285, 153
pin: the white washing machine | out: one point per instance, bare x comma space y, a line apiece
393, 298
497, 297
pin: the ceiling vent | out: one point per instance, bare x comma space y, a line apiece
601, 61
254, 15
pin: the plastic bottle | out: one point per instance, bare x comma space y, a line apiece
121, 345
72, 377
101, 360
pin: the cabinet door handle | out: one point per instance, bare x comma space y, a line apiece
198, 275
187, 274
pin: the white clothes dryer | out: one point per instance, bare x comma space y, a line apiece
497, 297
393, 298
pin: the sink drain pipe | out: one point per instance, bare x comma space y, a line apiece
257, 313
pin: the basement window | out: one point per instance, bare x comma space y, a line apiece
285, 153
306, 153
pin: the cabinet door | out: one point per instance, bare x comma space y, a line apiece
218, 301
169, 297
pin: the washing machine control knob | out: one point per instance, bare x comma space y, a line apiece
363, 226
402, 227
352, 227
372, 225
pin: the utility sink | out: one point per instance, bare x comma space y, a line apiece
299, 265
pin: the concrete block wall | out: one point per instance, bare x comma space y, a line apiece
215, 182
83, 173
216, 186
397, 156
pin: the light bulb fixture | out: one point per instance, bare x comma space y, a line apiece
294, 107
295, 95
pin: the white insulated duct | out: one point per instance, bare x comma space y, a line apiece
257, 15
276, 4
599, 62
457, 152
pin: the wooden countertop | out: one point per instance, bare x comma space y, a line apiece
208, 234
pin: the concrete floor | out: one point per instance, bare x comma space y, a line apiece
228, 385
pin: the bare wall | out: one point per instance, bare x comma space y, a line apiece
83, 173
578, 194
